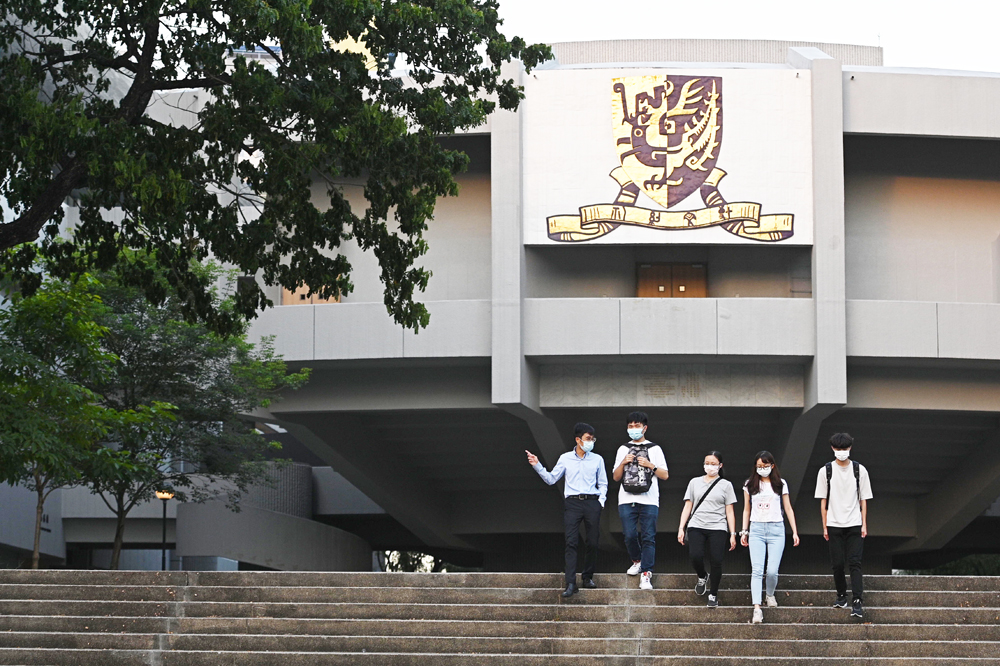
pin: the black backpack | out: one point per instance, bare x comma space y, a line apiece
857, 478
635, 478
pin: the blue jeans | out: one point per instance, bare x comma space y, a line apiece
639, 529
766, 539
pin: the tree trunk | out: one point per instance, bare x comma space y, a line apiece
120, 514
39, 512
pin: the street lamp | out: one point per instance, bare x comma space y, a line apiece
164, 495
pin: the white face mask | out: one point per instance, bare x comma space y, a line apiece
842, 455
635, 433
711, 470
764, 471
587, 446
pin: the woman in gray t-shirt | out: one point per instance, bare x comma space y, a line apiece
708, 503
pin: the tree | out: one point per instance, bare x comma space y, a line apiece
79, 77
50, 423
205, 447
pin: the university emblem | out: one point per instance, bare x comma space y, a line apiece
668, 134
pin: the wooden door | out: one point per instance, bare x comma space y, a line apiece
689, 281
654, 281
671, 281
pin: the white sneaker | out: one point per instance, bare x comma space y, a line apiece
646, 580
634, 569
758, 616
771, 601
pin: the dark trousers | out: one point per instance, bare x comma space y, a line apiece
716, 542
639, 530
846, 546
588, 512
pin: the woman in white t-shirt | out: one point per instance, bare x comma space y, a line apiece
764, 494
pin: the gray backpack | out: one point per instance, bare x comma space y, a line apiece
635, 478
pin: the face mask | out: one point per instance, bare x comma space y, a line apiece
587, 446
635, 433
711, 470
842, 455
764, 471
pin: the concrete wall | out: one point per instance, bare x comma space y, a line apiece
17, 521
921, 102
290, 491
703, 50
365, 330
915, 329
921, 239
335, 495
458, 240
659, 326
609, 271
268, 539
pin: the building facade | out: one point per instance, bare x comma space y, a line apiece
757, 243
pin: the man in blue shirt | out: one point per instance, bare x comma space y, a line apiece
585, 490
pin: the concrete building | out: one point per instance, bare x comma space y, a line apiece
843, 276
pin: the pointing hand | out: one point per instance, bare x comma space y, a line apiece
532, 458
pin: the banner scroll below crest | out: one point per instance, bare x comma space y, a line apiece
742, 219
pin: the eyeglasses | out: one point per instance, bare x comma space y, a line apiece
764, 467
593, 439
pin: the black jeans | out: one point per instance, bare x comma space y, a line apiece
846, 546
717, 541
588, 512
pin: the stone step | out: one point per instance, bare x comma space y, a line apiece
507, 580
88, 608
453, 595
573, 612
465, 645
404, 659
84, 657
484, 629
609, 646
592, 612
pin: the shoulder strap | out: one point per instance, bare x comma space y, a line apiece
829, 475
703, 498
857, 478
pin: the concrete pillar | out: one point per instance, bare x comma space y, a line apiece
514, 379
826, 376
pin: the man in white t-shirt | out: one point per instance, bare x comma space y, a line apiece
844, 510
639, 496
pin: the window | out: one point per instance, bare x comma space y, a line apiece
301, 297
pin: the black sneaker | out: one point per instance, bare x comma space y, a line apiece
713, 601
856, 610
841, 601
699, 589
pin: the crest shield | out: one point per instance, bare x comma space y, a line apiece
668, 131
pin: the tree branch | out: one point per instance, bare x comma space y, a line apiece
26, 227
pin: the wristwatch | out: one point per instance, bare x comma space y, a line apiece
654, 469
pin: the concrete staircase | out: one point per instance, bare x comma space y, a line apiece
88, 618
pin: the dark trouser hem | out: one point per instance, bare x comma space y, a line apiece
588, 512
846, 548
716, 542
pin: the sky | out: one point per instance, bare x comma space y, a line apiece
950, 34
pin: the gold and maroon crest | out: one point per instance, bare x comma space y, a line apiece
668, 131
